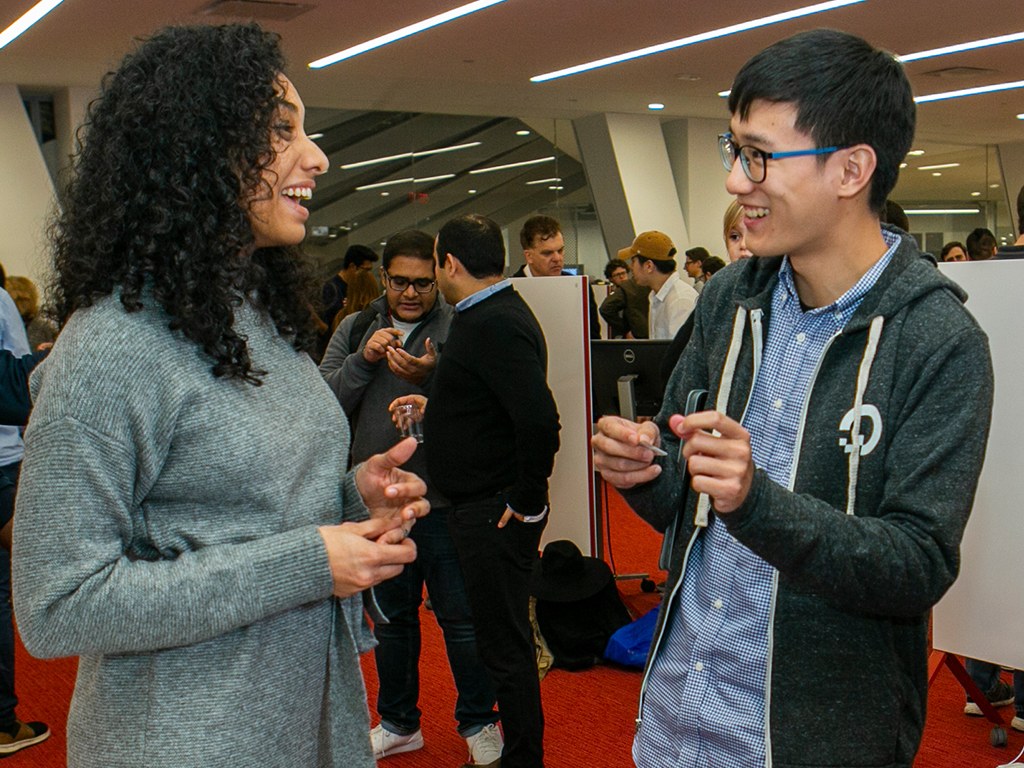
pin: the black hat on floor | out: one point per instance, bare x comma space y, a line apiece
563, 574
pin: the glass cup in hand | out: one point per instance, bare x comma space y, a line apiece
409, 419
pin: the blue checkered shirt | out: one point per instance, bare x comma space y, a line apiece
704, 704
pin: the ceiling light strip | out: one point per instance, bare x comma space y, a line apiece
380, 184
408, 155
937, 167
34, 14
702, 37
970, 92
989, 41
940, 211
552, 180
412, 29
514, 165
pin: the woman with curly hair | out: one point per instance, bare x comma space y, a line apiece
184, 522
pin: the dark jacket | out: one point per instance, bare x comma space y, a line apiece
595, 322
627, 309
365, 390
848, 631
491, 424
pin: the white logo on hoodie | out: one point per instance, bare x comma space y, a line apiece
846, 425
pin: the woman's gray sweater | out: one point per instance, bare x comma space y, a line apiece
166, 532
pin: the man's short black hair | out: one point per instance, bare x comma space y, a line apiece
412, 243
975, 239
711, 264
665, 266
538, 226
895, 215
612, 265
359, 255
845, 92
697, 254
476, 242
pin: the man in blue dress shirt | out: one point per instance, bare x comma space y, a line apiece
830, 479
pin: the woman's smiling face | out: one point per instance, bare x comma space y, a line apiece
277, 216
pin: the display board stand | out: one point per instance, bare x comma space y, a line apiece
978, 618
562, 307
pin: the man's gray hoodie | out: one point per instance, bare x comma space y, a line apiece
864, 541
365, 390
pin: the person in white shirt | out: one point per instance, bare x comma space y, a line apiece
672, 298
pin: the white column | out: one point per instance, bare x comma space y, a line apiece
26, 192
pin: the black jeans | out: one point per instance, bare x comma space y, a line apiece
496, 565
8, 701
398, 652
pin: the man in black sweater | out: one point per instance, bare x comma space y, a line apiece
490, 435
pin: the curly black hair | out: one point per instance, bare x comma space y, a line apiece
170, 156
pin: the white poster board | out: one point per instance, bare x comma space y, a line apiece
982, 615
562, 309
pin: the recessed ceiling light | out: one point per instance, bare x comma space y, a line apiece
936, 174
472, 191
1020, 116
384, 194
522, 133
969, 92
556, 187
903, 165
513, 165
939, 211
30, 17
407, 155
552, 180
916, 152
993, 186
725, 94
936, 167
988, 41
655, 105
315, 136
412, 29
975, 194
702, 37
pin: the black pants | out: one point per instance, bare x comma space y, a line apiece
496, 566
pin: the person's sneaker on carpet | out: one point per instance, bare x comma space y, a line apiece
22, 735
1000, 696
1018, 722
385, 743
485, 748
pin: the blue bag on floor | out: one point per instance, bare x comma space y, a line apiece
631, 644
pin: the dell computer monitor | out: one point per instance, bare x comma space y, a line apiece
613, 359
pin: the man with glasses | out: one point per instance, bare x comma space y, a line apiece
393, 353
849, 395
694, 266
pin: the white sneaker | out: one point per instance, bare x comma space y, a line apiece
485, 746
385, 743
1017, 723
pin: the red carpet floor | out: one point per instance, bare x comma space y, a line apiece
589, 714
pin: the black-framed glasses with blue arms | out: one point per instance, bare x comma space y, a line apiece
754, 161
420, 284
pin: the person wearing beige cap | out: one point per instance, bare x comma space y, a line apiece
652, 259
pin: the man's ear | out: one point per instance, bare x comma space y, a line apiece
451, 265
857, 171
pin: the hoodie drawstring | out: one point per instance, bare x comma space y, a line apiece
862, 384
722, 404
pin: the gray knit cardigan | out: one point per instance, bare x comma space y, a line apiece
166, 532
